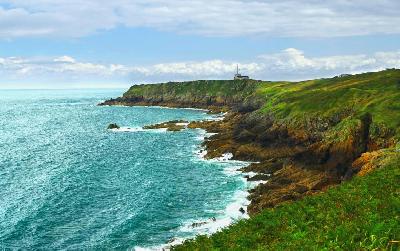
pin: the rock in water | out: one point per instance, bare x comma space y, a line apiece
113, 126
173, 126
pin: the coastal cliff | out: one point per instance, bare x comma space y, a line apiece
304, 137
215, 95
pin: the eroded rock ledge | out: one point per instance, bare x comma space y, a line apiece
174, 125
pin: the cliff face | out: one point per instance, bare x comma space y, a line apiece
306, 135
217, 95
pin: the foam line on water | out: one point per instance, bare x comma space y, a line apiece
137, 129
174, 108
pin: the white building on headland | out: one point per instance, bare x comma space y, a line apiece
239, 76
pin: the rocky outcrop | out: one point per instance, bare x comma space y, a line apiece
173, 126
113, 126
295, 161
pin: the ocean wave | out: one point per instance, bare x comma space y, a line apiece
174, 108
203, 134
219, 117
137, 129
201, 153
127, 129
234, 211
225, 157
182, 124
232, 171
194, 227
209, 134
162, 247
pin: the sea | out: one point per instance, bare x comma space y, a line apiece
69, 183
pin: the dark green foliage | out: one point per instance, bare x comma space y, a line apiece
201, 87
205, 92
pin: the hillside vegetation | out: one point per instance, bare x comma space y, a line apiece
216, 88
377, 94
362, 214
201, 93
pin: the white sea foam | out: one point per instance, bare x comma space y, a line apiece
251, 174
230, 215
182, 124
200, 137
163, 247
231, 171
174, 108
128, 129
209, 134
253, 184
201, 153
219, 117
137, 129
201, 134
225, 157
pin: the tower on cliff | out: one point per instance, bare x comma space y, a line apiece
239, 76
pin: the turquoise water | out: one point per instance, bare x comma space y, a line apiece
68, 183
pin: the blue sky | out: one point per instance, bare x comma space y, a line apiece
98, 43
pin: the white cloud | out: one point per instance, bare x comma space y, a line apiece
288, 18
65, 59
294, 61
289, 64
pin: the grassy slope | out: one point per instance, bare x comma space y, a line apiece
375, 93
363, 213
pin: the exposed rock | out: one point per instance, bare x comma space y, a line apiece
113, 126
174, 125
172, 240
258, 177
366, 163
198, 224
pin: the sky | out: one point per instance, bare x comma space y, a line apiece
114, 44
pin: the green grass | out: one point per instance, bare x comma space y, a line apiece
375, 93
362, 214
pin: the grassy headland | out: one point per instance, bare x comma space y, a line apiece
308, 137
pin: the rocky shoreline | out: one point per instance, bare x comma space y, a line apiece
296, 161
302, 137
286, 182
